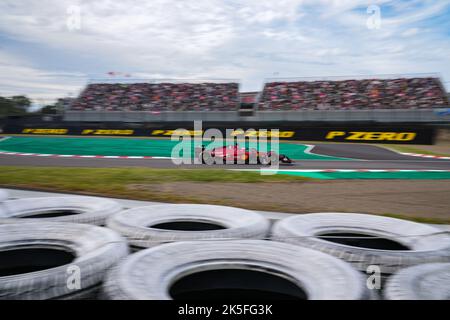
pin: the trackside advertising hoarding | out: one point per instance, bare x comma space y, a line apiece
352, 134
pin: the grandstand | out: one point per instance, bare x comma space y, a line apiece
164, 96
414, 98
374, 93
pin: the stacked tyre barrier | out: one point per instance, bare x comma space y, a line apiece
38, 256
54, 247
368, 242
91, 210
243, 269
150, 226
429, 281
79, 248
3, 195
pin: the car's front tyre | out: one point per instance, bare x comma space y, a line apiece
206, 158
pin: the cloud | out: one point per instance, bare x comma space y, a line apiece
245, 40
20, 77
410, 32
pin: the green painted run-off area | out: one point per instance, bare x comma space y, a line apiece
124, 147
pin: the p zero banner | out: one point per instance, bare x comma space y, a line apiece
359, 134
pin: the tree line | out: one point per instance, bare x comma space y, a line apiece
20, 105
15, 105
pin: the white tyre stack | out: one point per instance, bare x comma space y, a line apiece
153, 225
422, 282
77, 209
397, 243
56, 260
3, 195
199, 270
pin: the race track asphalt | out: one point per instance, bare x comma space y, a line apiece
369, 157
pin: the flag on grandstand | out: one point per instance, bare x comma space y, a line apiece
115, 73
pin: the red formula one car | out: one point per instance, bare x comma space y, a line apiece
237, 154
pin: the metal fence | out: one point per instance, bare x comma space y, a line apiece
145, 116
381, 115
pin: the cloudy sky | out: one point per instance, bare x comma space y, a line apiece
50, 48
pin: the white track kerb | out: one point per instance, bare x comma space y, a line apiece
310, 147
78, 156
429, 156
346, 170
421, 155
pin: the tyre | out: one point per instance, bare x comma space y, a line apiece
271, 158
76, 209
239, 269
153, 225
264, 159
365, 240
3, 195
39, 258
206, 158
422, 282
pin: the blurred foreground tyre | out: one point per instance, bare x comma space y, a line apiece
55, 260
429, 281
364, 240
239, 269
3, 195
76, 209
153, 225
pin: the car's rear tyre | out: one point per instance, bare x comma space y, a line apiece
39, 258
264, 159
244, 269
76, 209
422, 282
271, 158
398, 243
153, 225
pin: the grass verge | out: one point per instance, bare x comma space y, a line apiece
119, 182
148, 184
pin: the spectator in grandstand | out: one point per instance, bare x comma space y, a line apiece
158, 97
354, 94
